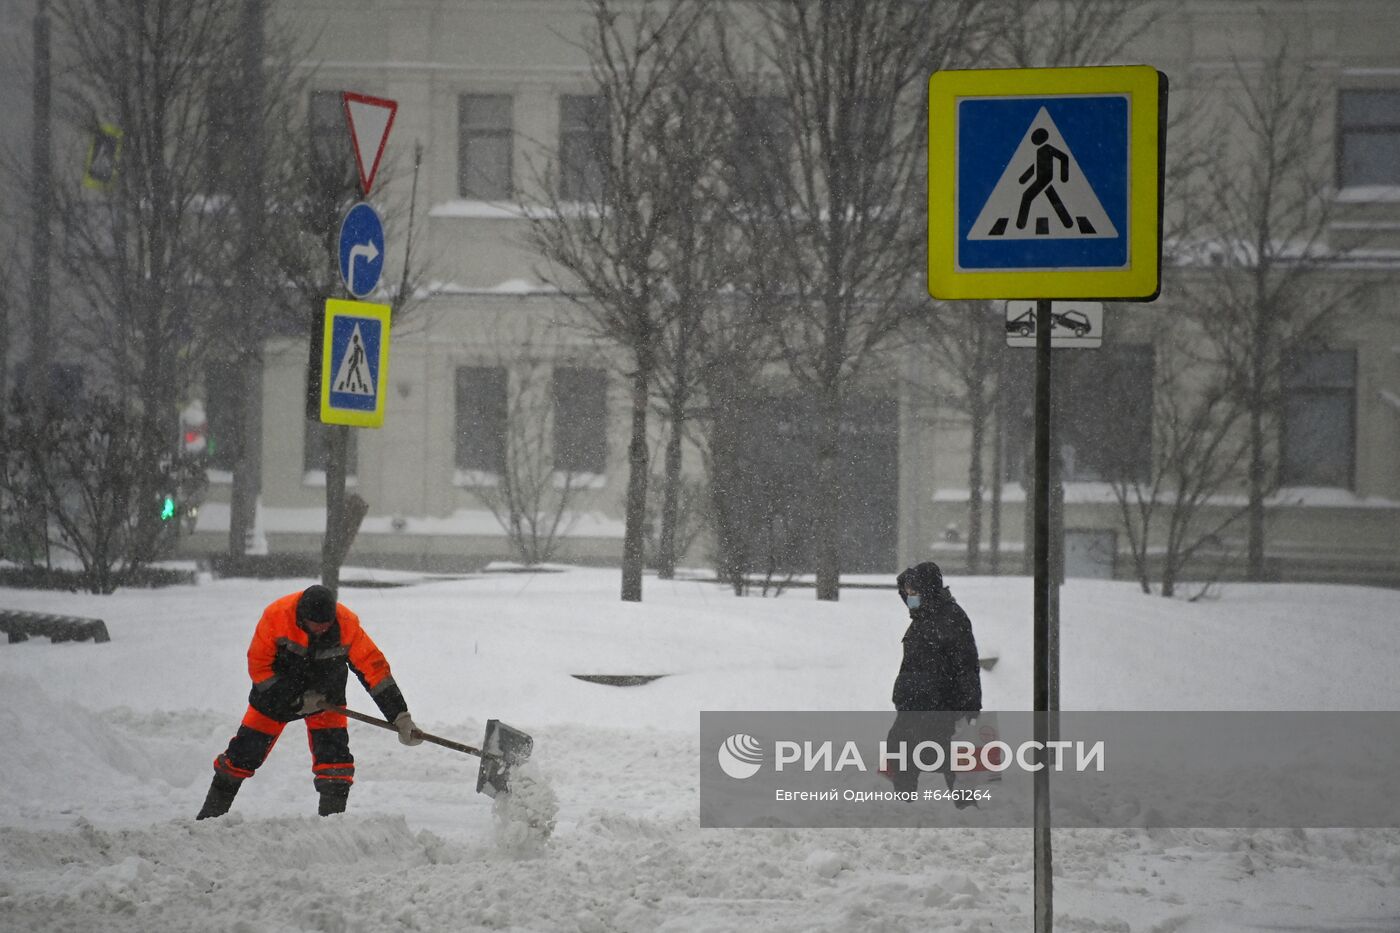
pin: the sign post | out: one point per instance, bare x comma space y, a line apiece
1046, 183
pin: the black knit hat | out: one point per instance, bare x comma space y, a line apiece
317, 604
925, 578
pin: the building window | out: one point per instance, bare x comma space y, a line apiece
1368, 138
481, 418
580, 420
332, 158
484, 146
583, 146
222, 150
1104, 411
224, 391
761, 146
1103, 414
1319, 419
316, 444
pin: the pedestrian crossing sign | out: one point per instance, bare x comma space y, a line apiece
1046, 183
354, 363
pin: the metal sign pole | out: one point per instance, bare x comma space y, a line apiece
1044, 910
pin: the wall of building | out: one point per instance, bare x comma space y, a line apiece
487, 289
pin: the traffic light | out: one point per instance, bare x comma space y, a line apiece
194, 429
167, 508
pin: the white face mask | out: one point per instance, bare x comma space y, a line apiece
912, 600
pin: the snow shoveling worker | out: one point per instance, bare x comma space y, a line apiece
939, 681
298, 660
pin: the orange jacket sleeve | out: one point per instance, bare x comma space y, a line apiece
370, 665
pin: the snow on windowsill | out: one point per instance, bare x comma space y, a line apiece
1366, 194
213, 519
475, 478
508, 287
469, 209
580, 480
318, 478
1102, 494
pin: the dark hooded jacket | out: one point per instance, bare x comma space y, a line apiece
939, 671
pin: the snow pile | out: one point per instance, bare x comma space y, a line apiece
525, 817
107, 750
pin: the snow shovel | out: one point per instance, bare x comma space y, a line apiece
503, 748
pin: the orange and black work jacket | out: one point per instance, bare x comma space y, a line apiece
285, 661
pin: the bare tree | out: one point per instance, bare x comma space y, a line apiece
698, 260
1067, 33
969, 340
532, 501
1175, 506
1268, 284
136, 257
967, 337
67, 473
835, 216
602, 234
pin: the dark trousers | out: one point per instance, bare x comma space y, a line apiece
332, 765
912, 727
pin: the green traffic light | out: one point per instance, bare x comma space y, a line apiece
167, 509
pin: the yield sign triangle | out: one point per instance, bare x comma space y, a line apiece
369, 120
1042, 194
353, 375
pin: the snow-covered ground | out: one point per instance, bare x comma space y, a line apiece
105, 755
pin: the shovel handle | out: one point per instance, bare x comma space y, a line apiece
385, 724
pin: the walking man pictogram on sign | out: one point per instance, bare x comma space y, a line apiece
1044, 172
351, 378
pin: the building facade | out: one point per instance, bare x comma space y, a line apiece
490, 88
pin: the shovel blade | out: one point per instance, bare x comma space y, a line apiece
503, 748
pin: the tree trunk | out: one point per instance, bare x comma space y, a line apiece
1257, 469
670, 505
637, 466
247, 468
826, 528
725, 509
978, 415
998, 469
41, 194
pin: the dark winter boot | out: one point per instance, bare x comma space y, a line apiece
220, 796
333, 801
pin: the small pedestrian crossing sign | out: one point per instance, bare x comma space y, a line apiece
1046, 183
355, 363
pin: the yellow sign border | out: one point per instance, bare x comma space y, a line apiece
1141, 280
111, 131
337, 308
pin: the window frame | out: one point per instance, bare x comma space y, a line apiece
1288, 478
596, 140
1344, 130
314, 474
500, 375
468, 131
593, 451
329, 138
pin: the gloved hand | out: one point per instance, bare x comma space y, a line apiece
311, 702
404, 723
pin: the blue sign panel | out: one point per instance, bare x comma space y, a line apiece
355, 383
1043, 183
361, 249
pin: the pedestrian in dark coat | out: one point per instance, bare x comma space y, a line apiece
939, 681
